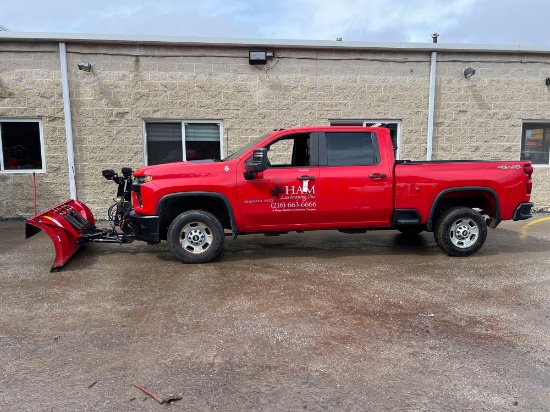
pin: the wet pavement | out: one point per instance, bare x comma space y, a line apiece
315, 321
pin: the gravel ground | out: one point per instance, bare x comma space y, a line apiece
315, 321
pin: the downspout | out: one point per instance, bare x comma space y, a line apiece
68, 121
431, 106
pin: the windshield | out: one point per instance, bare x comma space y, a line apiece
245, 148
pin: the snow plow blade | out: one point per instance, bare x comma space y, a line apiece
65, 224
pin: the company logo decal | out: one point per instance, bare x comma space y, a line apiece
295, 198
277, 191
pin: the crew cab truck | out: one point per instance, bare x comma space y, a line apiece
313, 178
300, 179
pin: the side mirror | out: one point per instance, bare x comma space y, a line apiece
258, 163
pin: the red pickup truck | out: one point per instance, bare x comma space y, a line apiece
312, 178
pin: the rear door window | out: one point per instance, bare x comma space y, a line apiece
351, 149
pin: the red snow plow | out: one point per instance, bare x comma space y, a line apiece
64, 224
71, 224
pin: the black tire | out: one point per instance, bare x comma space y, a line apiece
411, 230
196, 236
460, 231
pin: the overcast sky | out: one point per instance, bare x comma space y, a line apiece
458, 21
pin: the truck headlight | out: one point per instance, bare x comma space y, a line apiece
143, 179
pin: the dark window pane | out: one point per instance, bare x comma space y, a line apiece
535, 143
164, 144
202, 141
202, 150
349, 149
21, 145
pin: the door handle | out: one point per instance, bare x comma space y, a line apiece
378, 176
302, 178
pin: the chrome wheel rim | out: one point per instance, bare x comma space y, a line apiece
196, 238
464, 233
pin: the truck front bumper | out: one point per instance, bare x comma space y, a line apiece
145, 227
523, 211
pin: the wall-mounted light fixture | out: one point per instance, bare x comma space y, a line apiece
548, 81
257, 57
469, 72
260, 56
85, 66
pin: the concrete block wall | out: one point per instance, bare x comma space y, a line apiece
481, 117
30, 87
303, 87
132, 83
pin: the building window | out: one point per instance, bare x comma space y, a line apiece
21, 148
393, 125
535, 142
171, 141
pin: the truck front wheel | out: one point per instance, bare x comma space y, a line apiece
460, 231
196, 236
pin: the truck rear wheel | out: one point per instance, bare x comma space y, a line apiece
196, 236
460, 231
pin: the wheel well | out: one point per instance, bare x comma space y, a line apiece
174, 206
483, 199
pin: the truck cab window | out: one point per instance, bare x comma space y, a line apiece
351, 149
291, 151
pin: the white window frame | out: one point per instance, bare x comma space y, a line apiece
523, 122
340, 122
42, 151
183, 145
